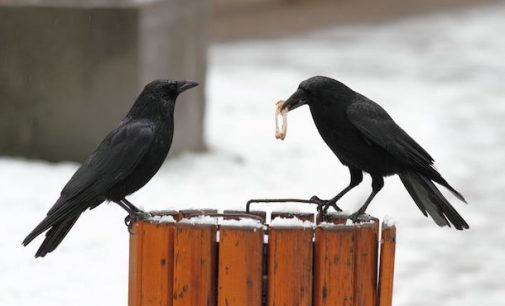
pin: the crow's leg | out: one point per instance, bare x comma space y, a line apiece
130, 206
356, 178
377, 184
133, 212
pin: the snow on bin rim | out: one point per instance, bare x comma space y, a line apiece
243, 222
290, 222
388, 221
200, 220
348, 223
161, 219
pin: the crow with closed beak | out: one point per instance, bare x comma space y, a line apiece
365, 138
128, 157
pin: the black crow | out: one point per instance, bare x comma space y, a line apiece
365, 138
128, 157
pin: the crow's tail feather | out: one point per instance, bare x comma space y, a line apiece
440, 180
57, 224
431, 201
55, 235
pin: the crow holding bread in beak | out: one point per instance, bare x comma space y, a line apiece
366, 139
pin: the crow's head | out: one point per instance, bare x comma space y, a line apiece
314, 90
158, 98
169, 89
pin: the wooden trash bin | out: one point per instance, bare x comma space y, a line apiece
206, 261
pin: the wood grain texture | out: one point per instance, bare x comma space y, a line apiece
195, 265
151, 269
240, 266
334, 266
135, 265
290, 266
157, 264
387, 264
365, 264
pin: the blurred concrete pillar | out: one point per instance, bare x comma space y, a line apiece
70, 70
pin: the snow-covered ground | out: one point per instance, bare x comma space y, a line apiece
440, 76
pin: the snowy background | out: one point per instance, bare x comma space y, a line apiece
442, 77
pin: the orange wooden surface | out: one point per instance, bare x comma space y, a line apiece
332, 218
177, 264
334, 266
387, 263
290, 266
194, 265
151, 256
365, 264
376, 226
240, 266
135, 265
157, 267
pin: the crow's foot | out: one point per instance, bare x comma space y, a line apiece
359, 216
134, 217
320, 203
324, 205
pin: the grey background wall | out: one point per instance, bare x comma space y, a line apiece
70, 70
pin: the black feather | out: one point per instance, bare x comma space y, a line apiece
55, 235
429, 199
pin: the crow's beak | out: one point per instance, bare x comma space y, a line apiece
296, 100
185, 85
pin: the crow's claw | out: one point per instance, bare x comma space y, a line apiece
324, 205
320, 204
359, 216
134, 217
128, 221
335, 206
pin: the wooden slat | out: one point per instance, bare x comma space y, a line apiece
365, 264
387, 263
290, 266
240, 266
302, 216
331, 218
233, 211
157, 267
135, 265
334, 266
259, 213
195, 265
151, 256
376, 223
186, 213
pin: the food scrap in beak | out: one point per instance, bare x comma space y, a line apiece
280, 133
296, 100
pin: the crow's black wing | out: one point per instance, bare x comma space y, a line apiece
378, 127
113, 160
